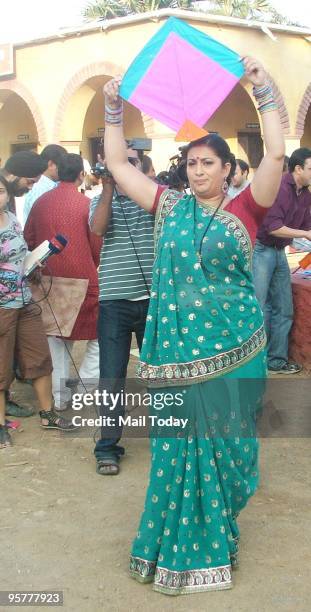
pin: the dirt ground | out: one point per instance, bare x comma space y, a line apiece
63, 527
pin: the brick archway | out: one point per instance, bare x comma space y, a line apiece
78, 79
302, 112
278, 98
281, 104
22, 91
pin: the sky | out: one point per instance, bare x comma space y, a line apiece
21, 20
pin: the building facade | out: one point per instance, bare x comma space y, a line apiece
51, 88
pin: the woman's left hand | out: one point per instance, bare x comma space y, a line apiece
35, 276
111, 92
254, 71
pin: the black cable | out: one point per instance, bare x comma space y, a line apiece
207, 228
45, 297
70, 355
61, 334
133, 245
32, 301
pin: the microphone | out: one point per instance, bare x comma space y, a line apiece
42, 252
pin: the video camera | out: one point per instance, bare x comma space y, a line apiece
100, 171
176, 176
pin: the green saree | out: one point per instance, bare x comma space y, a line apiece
205, 337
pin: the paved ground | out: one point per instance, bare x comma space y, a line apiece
64, 527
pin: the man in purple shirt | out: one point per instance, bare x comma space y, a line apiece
288, 218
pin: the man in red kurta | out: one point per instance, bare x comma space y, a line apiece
65, 211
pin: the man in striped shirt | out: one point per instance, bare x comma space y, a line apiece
124, 277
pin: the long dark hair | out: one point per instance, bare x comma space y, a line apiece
11, 203
146, 164
220, 148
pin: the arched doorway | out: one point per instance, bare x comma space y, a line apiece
236, 120
18, 129
94, 122
79, 120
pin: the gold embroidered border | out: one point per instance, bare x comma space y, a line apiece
179, 583
192, 581
226, 217
167, 200
234, 556
141, 569
240, 232
201, 370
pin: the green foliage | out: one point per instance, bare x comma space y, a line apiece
260, 10
107, 9
243, 9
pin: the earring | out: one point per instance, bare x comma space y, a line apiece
225, 186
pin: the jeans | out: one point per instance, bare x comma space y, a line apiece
117, 320
274, 292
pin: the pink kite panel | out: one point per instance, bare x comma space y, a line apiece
181, 68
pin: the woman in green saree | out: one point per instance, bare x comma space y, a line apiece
204, 338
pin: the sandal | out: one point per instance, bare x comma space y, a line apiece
55, 421
5, 438
109, 466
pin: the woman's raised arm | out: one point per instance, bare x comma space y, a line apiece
134, 183
267, 178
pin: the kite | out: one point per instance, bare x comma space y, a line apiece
181, 77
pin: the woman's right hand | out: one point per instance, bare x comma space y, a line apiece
111, 92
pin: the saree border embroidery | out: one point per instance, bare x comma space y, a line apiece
192, 580
203, 369
187, 581
170, 198
167, 201
141, 569
233, 223
239, 230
